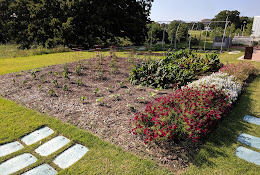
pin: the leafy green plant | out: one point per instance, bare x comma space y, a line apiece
39, 87
96, 91
116, 96
78, 69
131, 107
55, 82
100, 74
66, 75
82, 98
79, 82
56, 73
24, 82
176, 68
52, 93
121, 84
33, 74
99, 101
152, 94
65, 87
65, 68
50, 72
42, 78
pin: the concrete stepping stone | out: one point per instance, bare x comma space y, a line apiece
70, 156
248, 155
52, 145
37, 135
249, 140
43, 169
9, 148
17, 163
252, 119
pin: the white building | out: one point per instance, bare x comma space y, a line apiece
256, 27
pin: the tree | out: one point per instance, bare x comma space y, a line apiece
233, 17
182, 31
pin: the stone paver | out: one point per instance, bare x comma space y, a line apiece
43, 169
248, 155
52, 145
252, 119
9, 148
17, 163
70, 156
249, 140
37, 135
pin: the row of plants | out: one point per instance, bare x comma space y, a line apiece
177, 68
194, 110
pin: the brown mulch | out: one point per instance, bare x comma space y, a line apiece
108, 119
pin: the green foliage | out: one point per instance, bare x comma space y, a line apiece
52, 23
82, 98
52, 93
65, 87
176, 69
55, 82
96, 91
79, 82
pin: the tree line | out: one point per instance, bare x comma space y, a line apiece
73, 22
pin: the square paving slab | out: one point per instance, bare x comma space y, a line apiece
249, 140
70, 156
248, 155
43, 169
9, 148
37, 135
17, 163
252, 119
52, 145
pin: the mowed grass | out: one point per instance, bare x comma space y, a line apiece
25, 63
102, 158
218, 154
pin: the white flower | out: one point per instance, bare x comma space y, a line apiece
222, 81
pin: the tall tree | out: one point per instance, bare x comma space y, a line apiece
233, 17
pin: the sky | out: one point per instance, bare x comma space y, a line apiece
196, 10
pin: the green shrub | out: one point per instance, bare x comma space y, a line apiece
177, 68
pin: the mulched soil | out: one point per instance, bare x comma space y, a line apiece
108, 119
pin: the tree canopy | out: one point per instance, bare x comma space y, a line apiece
69, 22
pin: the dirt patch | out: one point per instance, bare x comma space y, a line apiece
102, 104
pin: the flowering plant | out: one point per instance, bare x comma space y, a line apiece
222, 81
188, 112
241, 70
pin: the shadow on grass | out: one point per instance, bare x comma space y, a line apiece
228, 130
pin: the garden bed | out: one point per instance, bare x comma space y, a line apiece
100, 100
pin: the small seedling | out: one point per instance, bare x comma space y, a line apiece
55, 82
79, 82
116, 96
139, 87
19, 74
50, 72
100, 74
132, 108
127, 90
152, 94
96, 91
99, 100
24, 82
109, 88
42, 78
39, 87
78, 70
33, 74
141, 98
52, 93
65, 68
14, 81
56, 73
65, 87
65, 75
82, 98
121, 84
